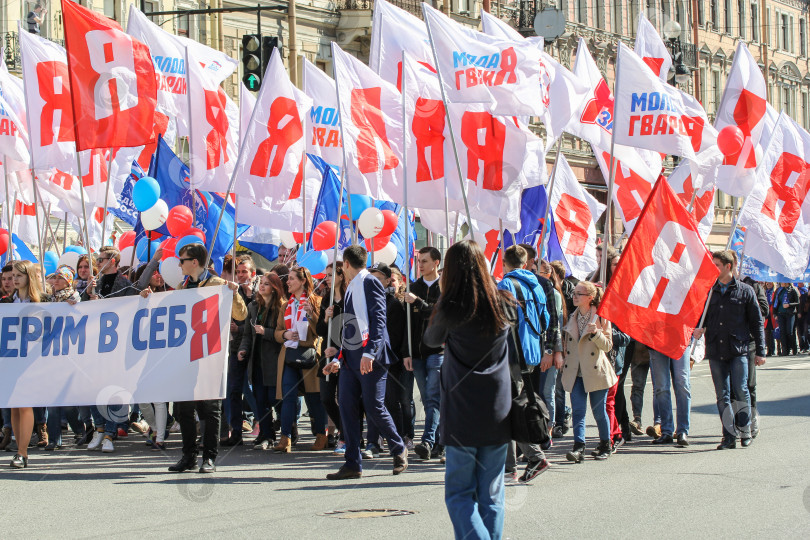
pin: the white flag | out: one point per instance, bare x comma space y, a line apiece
394, 30
271, 164
651, 48
683, 182
322, 125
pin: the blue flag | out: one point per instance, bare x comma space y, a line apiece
329, 202
125, 210
757, 270
21, 252
532, 206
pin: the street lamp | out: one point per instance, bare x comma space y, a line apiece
672, 32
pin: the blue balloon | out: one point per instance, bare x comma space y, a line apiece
359, 204
76, 249
186, 241
144, 251
314, 261
51, 260
145, 193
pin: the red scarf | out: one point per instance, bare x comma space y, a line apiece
288, 312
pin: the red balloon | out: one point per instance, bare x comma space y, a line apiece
730, 140
126, 240
324, 236
319, 276
153, 235
180, 219
380, 242
5, 239
299, 237
168, 248
193, 231
389, 224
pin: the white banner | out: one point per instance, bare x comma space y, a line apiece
169, 347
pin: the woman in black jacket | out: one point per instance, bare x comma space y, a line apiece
334, 276
260, 348
476, 394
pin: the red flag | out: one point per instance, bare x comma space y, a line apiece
660, 287
114, 89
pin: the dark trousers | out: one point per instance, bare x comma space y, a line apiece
237, 370
769, 341
788, 333
265, 399
370, 388
395, 402
329, 390
210, 413
621, 404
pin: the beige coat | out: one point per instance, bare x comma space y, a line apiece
311, 381
589, 353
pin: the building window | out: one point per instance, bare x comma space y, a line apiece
754, 21
802, 37
715, 91
633, 21
582, 11
599, 13
616, 18
713, 14
651, 13
182, 25
701, 13
805, 110
741, 16
679, 13
727, 16
703, 81
109, 8
784, 35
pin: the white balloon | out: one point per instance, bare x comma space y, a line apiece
126, 256
170, 270
287, 239
70, 258
371, 222
155, 216
387, 255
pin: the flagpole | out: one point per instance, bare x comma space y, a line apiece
48, 223
9, 212
450, 127
81, 193
191, 171
64, 233
551, 183
334, 258
106, 198
304, 169
235, 229
611, 179
407, 217
39, 229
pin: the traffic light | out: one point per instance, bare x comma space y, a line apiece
252, 66
268, 44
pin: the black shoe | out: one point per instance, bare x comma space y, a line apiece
331, 441
664, 439
85, 438
683, 442
533, 469
746, 441
233, 441
437, 451
208, 466
558, 431
616, 444
576, 455
567, 419
294, 434
344, 473
603, 450
19, 462
186, 463
401, 462
52, 446
727, 444
423, 450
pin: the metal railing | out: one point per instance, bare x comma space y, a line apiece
11, 45
411, 6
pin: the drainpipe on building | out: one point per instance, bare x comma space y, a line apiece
485, 5
293, 43
763, 39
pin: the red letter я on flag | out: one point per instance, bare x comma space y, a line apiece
663, 278
112, 78
217, 138
285, 129
790, 170
205, 328
428, 129
485, 138
367, 116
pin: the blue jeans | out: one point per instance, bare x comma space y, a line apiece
427, 372
662, 367
474, 490
787, 329
6, 417
579, 398
109, 417
559, 404
291, 378
548, 389
728, 375
55, 424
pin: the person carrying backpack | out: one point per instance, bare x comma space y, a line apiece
533, 319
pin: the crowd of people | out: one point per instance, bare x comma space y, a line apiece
342, 346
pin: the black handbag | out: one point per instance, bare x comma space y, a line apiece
301, 358
528, 416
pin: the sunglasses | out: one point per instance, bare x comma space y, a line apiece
184, 259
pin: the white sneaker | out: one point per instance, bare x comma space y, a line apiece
107, 446
140, 426
95, 444
175, 427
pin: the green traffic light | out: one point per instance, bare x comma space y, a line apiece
252, 82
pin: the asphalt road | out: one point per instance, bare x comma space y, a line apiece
642, 491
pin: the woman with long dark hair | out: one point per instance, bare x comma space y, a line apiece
471, 319
334, 278
27, 289
260, 348
304, 306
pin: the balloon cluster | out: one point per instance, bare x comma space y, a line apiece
375, 226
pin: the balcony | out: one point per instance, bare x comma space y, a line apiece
11, 43
413, 7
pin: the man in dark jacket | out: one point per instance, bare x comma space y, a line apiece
426, 363
785, 306
732, 318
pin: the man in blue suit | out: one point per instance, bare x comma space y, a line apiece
363, 359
